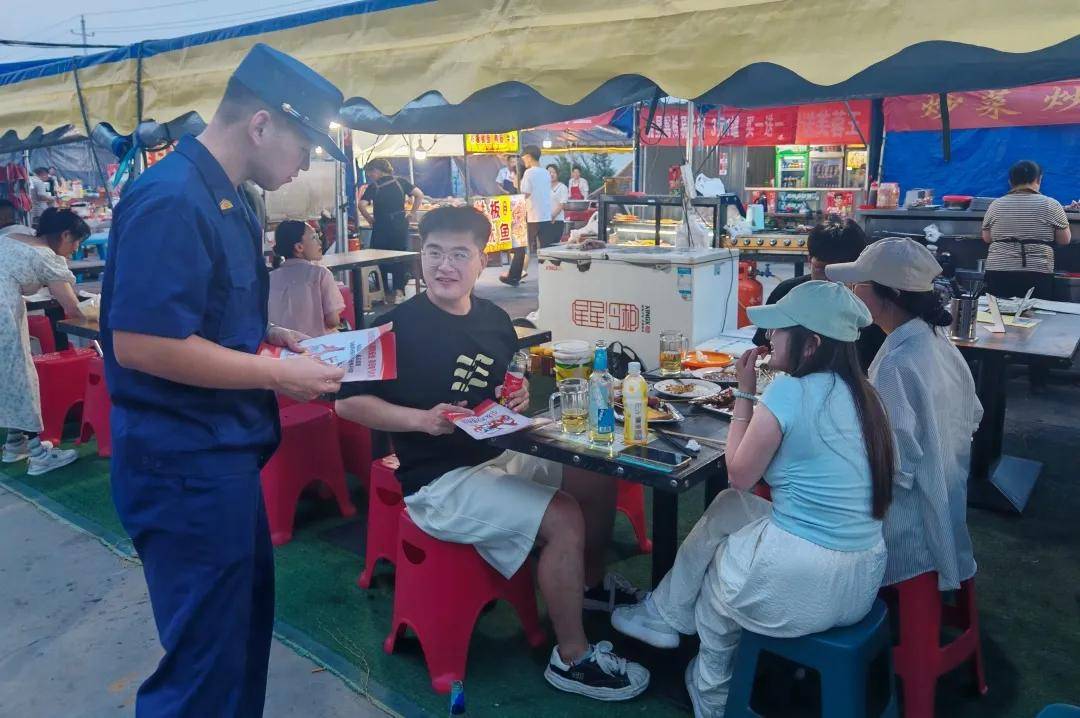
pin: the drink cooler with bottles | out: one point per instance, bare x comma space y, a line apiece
631, 294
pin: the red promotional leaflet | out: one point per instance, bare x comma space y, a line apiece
365, 354
489, 420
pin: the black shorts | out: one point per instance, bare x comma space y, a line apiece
543, 234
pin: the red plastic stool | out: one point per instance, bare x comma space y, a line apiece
631, 502
762, 489
440, 591
96, 406
385, 502
349, 312
919, 656
355, 440
308, 452
41, 328
62, 378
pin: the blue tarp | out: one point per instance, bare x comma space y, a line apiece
981, 159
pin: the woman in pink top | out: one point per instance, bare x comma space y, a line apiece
303, 295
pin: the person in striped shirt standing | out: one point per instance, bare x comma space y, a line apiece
928, 393
1021, 229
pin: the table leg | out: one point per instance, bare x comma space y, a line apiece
356, 275
665, 525
998, 482
716, 482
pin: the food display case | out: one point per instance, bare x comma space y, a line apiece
653, 220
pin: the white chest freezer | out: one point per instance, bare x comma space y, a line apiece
631, 294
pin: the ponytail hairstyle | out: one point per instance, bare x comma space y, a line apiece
924, 305
54, 222
842, 359
287, 235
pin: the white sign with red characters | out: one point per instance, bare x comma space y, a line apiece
489, 420
365, 354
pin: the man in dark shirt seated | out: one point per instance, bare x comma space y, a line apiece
452, 350
827, 244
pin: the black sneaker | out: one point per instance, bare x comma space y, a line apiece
601, 675
613, 592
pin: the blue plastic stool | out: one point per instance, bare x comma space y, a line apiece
841, 655
98, 240
1059, 710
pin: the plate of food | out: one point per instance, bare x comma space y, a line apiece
726, 376
686, 388
722, 404
698, 359
660, 412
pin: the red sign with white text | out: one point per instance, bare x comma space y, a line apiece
1053, 103
825, 123
829, 123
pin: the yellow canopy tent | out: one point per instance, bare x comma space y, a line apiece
487, 65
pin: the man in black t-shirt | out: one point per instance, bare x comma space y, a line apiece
383, 206
452, 350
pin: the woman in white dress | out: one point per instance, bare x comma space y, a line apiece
28, 262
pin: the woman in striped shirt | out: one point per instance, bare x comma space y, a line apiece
929, 395
1021, 229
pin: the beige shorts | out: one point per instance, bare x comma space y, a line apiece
496, 506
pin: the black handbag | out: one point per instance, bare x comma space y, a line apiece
619, 358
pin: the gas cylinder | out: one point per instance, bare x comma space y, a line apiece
750, 290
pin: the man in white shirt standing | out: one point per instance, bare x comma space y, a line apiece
536, 186
40, 197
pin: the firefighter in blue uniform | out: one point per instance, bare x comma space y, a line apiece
184, 309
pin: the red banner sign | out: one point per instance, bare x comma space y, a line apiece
1054, 103
825, 124
829, 123
585, 123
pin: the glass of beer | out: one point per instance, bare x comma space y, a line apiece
672, 349
570, 405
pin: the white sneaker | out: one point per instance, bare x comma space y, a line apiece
643, 622
51, 459
21, 450
602, 676
691, 688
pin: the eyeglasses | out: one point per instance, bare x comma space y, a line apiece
458, 257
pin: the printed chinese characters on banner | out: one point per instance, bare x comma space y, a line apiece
493, 143
509, 228
721, 126
1053, 103
830, 123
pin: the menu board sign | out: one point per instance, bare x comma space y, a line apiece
493, 143
509, 228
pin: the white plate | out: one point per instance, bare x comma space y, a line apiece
700, 389
707, 374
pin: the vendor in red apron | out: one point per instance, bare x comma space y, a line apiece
1021, 229
194, 417
578, 188
383, 206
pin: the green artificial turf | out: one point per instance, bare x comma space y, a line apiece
1028, 583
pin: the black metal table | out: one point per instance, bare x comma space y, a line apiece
531, 337
550, 443
999, 481
355, 261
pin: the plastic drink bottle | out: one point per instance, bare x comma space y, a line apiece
635, 396
514, 378
457, 699
601, 399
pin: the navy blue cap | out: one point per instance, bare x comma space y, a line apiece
300, 93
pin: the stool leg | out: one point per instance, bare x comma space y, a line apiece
843, 691
742, 682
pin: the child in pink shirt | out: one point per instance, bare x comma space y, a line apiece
303, 295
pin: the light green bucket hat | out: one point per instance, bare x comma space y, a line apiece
826, 308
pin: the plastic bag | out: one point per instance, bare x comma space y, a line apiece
589, 231
699, 235
709, 186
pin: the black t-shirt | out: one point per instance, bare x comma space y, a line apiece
388, 197
442, 358
870, 339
